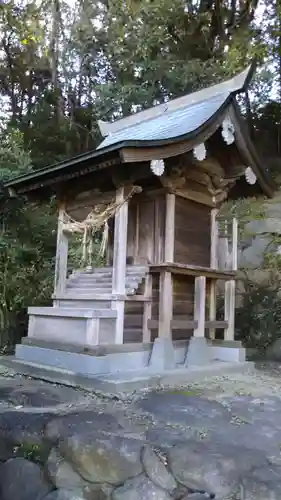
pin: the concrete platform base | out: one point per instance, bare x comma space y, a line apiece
162, 355
124, 384
198, 352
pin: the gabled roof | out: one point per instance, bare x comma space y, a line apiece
175, 118
171, 124
183, 122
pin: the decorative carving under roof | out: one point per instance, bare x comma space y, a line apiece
203, 185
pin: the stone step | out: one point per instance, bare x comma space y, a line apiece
80, 303
88, 295
92, 292
92, 285
89, 285
69, 313
88, 290
96, 281
103, 279
108, 271
80, 275
89, 279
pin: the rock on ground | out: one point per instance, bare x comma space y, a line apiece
219, 436
83, 422
101, 458
22, 480
140, 488
62, 473
62, 494
156, 470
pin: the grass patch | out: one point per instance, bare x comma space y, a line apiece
32, 452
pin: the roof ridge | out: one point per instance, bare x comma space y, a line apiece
233, 85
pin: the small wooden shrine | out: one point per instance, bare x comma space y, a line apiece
152, 189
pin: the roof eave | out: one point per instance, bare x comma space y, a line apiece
43, 175
234, 85
248, 151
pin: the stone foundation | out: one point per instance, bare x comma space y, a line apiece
157, 357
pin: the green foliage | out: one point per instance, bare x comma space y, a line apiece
32, 452
75, 252
27, 246
13, 159
258, 319
244, 210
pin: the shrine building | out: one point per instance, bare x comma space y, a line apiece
151, 192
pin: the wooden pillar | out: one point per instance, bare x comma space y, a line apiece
234, 253
61, 255
169, 247
230, 287
229, 309
199, 305
165, 305
119, 263
147, 309
166, 283
214, 262
214, 239
212, 307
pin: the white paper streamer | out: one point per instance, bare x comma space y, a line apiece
157, 167
228, 131
200, 152
250, 176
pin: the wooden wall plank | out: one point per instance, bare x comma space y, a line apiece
192, 233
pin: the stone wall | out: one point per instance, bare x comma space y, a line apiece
261, 236
87, 456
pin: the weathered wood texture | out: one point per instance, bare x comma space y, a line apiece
146, 230
80, 206
133, 322
183, 304
192, 233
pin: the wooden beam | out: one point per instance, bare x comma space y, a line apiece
214, 239
183, 324
189, 194
212, 307
223, 255
147, 309
229, 309
176, 324
199, 306
185, 269
61, 255
234, 253
120, 245
165, 305
169, 247
119, 262
158, 231
216, 324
